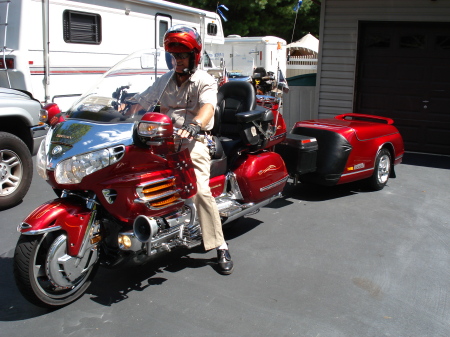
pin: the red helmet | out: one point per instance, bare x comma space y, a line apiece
182, 39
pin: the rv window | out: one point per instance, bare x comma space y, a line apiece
80, 27
212, 29
206, 61
163, 27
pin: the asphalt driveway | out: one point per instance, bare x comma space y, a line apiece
339, 261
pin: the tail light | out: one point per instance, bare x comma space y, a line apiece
6, 63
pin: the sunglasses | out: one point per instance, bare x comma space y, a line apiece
180, 56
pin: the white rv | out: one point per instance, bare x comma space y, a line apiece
243, 54
56, 49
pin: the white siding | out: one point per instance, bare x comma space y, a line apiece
339, 37
298, 105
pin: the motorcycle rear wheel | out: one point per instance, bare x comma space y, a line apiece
39, 277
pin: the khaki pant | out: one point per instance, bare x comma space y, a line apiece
207, 211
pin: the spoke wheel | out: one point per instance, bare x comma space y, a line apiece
48, 277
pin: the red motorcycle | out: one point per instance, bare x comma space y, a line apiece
124, 188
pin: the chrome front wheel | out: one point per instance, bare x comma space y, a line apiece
46, 275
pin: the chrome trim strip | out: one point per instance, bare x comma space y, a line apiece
140, 188
279, 182
156, 181
159, 196
42, 231
165, 206
275, 137
356, 172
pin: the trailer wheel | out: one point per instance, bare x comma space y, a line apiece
16, 170
382, 170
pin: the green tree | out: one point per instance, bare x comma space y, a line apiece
264, 17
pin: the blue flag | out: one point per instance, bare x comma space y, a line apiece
220, 12
297, 6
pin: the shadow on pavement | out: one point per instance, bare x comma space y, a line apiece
426, 160
308, 192
123, 280
13, 307
112, 286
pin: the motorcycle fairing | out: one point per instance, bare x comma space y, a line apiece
183, 169
75, 137
71, 217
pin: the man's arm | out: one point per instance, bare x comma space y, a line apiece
205, 113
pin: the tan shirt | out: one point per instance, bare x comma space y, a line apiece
183, 103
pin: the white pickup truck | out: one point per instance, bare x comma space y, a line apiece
22, 128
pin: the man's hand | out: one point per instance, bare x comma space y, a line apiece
189, 131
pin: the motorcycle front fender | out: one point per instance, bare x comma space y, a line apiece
60, 214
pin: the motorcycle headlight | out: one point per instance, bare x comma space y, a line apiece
73, 170
41, 161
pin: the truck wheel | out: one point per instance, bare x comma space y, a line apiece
382, 170
16, 170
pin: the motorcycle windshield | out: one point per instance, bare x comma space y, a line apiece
241, 67
109, 99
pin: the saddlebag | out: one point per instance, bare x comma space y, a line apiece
260, 176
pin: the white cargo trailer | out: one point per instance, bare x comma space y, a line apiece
244, 54
56, 49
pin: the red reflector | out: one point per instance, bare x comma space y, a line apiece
304, 141
9, 63
30, 62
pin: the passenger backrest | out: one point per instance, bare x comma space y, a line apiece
233, 97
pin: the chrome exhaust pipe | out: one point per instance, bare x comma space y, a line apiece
249, 208
144, 228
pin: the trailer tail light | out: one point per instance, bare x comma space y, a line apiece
6, 63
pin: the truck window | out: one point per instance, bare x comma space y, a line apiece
81, 27
163, 27
212, 29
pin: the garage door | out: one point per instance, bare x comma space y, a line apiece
404, 73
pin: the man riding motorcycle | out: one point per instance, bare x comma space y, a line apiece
190, 100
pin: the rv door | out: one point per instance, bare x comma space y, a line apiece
162, 23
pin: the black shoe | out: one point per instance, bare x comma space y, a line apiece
224, 262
